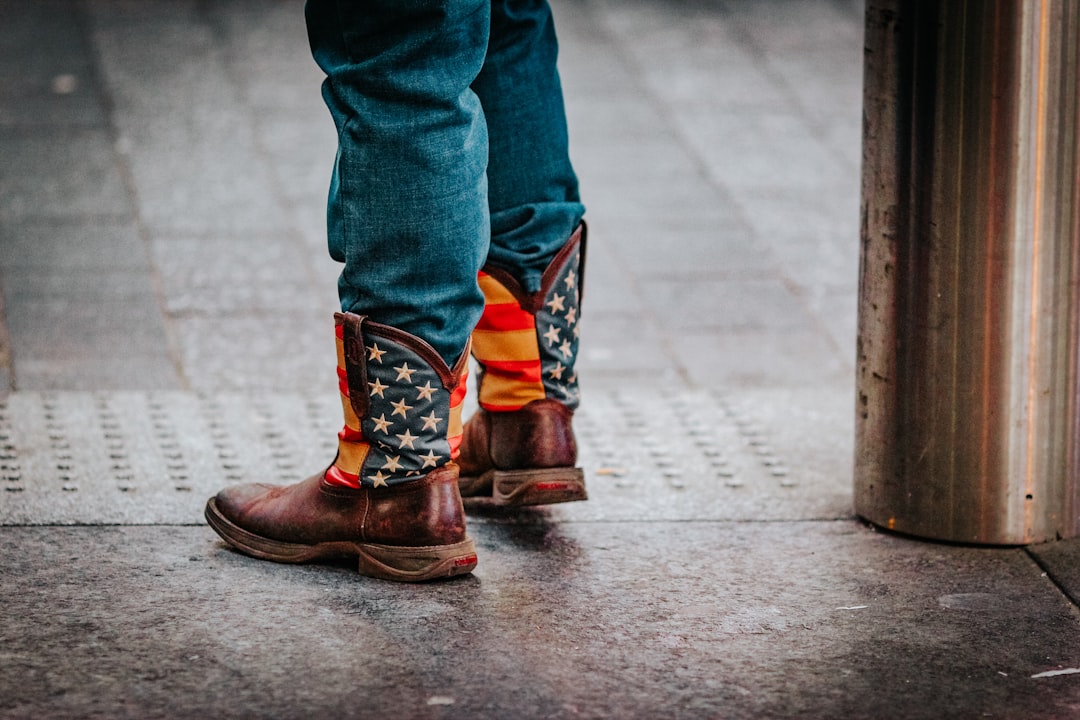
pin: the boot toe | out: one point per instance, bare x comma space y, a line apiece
234, 500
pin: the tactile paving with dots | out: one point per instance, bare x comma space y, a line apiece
154, 458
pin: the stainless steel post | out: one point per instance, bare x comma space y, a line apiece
969, 296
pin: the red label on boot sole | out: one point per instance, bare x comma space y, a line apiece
552, 486
462, 562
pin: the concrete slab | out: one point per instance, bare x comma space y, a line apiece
598, 620
142, 458
1062, 562
264, 272
73, 244
70, 175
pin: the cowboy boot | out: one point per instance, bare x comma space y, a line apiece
390, 498
519, 447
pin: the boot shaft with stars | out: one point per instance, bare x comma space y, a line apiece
519, 447
402, 405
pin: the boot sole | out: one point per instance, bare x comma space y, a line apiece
539, 486
387, 562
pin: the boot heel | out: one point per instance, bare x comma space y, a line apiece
416, 564
543, 486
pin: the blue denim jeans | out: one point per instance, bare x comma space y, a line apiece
452, 153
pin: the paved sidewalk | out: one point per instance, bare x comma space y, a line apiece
166, 304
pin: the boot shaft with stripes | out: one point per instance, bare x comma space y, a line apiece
520, 447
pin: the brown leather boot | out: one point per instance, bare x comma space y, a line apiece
391, 497
519, 448
408, 532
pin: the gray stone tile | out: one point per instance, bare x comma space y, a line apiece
279, 351
68, 341
1062, 562
762, 358
61, 246
652, 452
30, 290
226, 180
605, 620
762, 150
46, 175
6, 375
697, 303
623, 342
308, 216
608, 287
301, 150
64, 99
221, 274
824, 98
837, 310
78, 368
612, 121
697, 245
798, 25
42, 38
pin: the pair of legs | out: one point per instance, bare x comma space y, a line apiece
454, 208
452, 154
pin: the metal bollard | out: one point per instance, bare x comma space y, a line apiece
968, 415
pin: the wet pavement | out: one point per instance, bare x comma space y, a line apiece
167, 314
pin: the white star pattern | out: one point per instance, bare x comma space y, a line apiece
374, 353
400, 408
552, 335
404, 372
559, 315
381, 423
407, 415
425, 392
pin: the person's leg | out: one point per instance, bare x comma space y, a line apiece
408, 216
408, 206
520, 446
533, 190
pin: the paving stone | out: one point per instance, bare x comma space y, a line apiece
1062, 561
225, 185
261, 272
65, 99
280, 351
710, 242
65, 245
763, 358
44, 38
814, 237
303, 151
696, 302
102, 369
72, 175
605, 351
782, 620
651, 453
